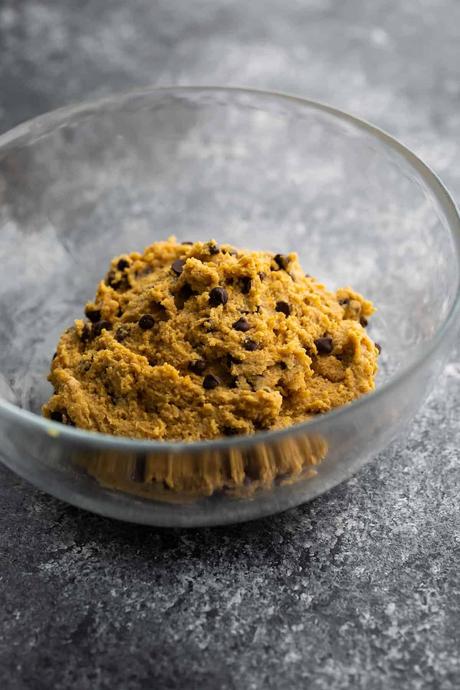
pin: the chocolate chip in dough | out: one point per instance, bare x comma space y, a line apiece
178, 266
379, 347
123, 264
146, 322
250, 345
324, 345
99, 326
198, 366
93, 315
217, 296
210, 382
283, 307
241, 325
56, 416
246, 284
282, 261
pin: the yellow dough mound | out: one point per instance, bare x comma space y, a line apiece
196, 341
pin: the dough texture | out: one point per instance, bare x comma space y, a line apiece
196, 341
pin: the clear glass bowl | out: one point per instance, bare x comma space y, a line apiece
260, 170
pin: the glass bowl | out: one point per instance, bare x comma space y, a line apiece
260, 170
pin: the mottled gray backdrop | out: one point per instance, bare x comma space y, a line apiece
359, 589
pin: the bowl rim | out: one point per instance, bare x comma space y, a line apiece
58, 117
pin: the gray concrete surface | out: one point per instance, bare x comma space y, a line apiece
359, 589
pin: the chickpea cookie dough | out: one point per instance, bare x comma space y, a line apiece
190, 341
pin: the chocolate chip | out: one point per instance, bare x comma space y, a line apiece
178, 266
93, 314
250, 345
282, 260
186, 242
283, 307
217, 296
146, 322
56, 416
122, 264
246, 284
231, 359
210, 382
344, 302
324, 345
241, 325
213, 248
379, 347
99, 326
117, 283
262, 275
282, 365
119, 311
363, 321
121, 333
230, 431
145, 271
186, 291
198, 366
85, 334
233, 382
55, 355
138, 473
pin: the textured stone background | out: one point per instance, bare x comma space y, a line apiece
359, 589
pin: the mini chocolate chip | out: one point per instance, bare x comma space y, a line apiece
178, 266
145, 271
233, 382
282, 260
262, 275
186, 242
146, 322
198, 366
138, 473
230, 431
344, 302
213, 248
121, 333
282, 365
186, 291
324, 345
99, 326
85, 334
241, 325
56, 416
246, 284
379, 347
93, 314
119, 311
122, 264
363, 321
283, 307
210, 382
231, 359
217, 296
117, 283
250, 345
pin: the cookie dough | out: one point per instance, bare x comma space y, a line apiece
198, 340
